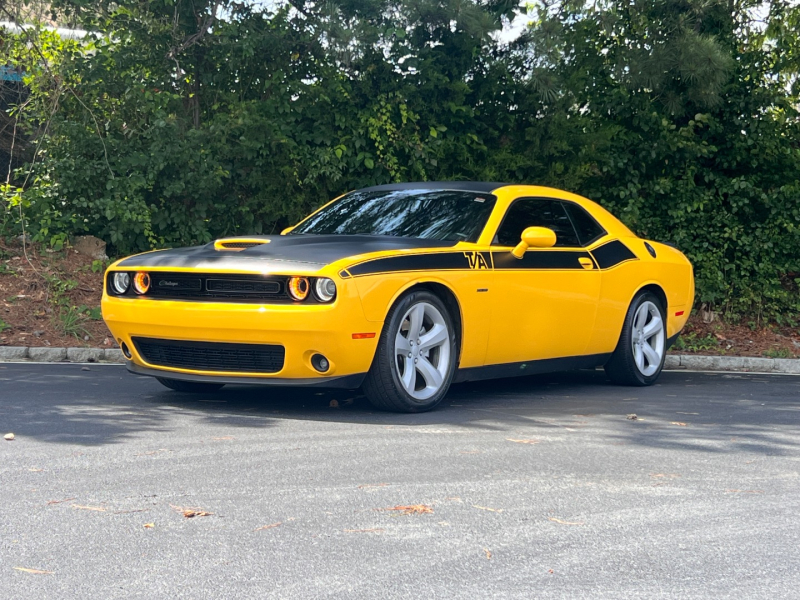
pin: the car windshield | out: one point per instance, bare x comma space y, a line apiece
428, 214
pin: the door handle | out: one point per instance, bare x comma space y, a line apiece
586, 263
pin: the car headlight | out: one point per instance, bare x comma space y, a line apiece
141, 282
121, 282
325, 289
299, 288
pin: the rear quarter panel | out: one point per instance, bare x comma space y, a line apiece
670, 270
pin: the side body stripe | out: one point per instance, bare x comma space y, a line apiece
604, 257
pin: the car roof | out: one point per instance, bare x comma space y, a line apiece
467, 186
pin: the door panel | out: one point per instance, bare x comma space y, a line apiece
546, 305
547, 300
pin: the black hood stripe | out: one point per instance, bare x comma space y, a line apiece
309, 251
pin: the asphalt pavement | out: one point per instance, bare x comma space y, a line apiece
537, 487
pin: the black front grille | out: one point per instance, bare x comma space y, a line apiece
243, 286
212, 356
211, 287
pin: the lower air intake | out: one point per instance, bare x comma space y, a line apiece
211, 356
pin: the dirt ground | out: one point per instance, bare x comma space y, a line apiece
52, 299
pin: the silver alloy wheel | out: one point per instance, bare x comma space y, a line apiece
422, 351
648, 338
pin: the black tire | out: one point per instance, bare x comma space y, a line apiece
621, 367
193, 387
382, 385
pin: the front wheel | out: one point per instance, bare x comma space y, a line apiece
641, 350
196, 387
416, 357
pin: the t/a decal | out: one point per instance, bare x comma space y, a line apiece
476, 260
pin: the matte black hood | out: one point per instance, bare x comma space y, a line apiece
305, 250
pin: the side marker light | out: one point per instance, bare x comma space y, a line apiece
363, 336
679, 313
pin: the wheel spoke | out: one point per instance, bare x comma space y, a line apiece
435, 337
409, 377
653, 327
652, 356
415, 318
401, 345
429, 373
638, 356
641, 317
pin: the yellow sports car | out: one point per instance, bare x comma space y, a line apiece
403, 289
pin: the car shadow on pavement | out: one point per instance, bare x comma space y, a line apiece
693, 411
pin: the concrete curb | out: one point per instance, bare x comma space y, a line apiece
688, 362
740, 364
51, 354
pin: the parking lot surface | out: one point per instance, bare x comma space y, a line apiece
559, 486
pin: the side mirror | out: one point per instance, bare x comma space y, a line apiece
535, 237
287, 230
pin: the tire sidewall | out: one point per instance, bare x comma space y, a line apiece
628, 337
393, 325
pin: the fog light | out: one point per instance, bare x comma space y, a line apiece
320, 363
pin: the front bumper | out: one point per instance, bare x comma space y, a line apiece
303, 330
347, 382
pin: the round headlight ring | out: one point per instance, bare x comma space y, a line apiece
299, 288
141, 282
120, 282
325, 289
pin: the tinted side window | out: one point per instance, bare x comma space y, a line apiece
536, 212
588, 229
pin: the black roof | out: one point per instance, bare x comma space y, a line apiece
467, 186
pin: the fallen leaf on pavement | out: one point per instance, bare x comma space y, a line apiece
411, 509
488, 553
334, 404
149, 525
680, 423
9, 437
523, 441
632, 417
97, 508
60, 501
191, 512
35, 571
270, 526
566, 522
497, 510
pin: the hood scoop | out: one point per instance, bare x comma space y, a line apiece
238, 244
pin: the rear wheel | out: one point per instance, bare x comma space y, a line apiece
195, 387
639, 356
416, 356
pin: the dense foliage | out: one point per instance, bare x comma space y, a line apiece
178, 122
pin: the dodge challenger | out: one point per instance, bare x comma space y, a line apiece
403, 289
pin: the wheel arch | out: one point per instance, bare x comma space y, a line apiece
658, 291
